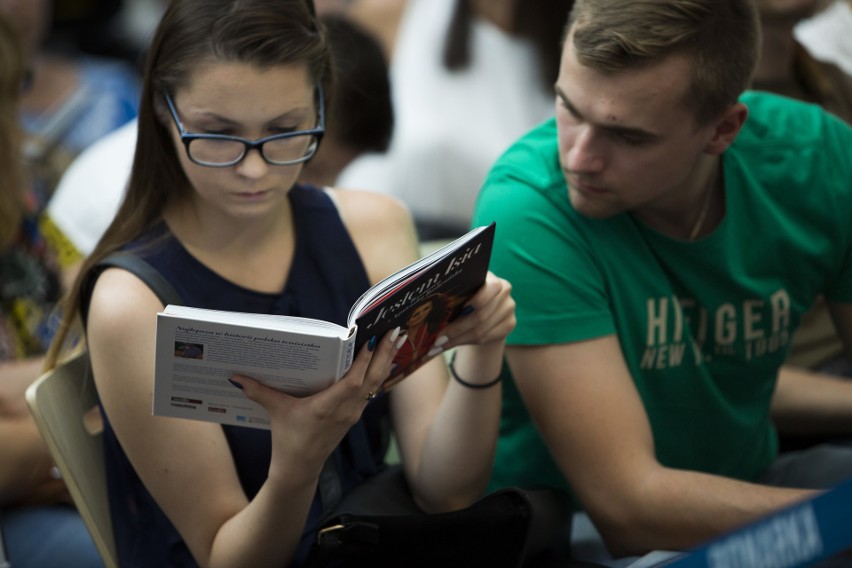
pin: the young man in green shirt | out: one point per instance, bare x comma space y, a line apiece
664, 234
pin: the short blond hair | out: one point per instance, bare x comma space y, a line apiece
720, 37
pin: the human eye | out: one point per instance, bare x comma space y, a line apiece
631, 140
213, 126
284, 130
571, 110
567, 113
565, 106
210, 130
217, 130
291, 125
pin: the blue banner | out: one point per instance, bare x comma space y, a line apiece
793, 537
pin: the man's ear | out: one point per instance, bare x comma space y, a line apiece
726, 128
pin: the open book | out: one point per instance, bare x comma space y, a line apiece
197, 350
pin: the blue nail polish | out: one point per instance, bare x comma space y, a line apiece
372, 344
236, 384
466, 311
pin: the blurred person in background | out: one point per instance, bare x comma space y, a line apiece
826, 34
40, 526
70, 99
361, 107
468, 77
788, 68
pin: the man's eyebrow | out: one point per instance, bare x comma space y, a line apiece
614, 128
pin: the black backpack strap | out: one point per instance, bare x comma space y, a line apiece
330, 482
330, 485
144, 271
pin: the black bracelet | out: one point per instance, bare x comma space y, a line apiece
464, 383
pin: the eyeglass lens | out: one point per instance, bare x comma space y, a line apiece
277, 150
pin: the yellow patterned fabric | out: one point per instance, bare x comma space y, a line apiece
30, 288
66, 253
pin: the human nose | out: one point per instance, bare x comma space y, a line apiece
252, 165
584, 152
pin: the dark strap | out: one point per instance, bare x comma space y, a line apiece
4, 558
330, 482
131, 263
362, 455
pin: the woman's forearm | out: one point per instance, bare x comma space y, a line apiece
458, 452
25, 462
15, 377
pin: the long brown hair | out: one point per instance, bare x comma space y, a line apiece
11, 157
264, 33
721, 38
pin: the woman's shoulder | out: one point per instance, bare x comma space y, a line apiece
381, 227
369, 207
122, 307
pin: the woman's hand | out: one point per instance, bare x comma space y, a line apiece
486, 319
305, 431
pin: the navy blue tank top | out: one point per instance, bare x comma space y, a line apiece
326, 277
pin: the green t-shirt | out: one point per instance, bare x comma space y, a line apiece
705, 325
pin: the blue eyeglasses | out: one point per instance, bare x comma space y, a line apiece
221, 151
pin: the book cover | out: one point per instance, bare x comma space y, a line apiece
197, 350
423, 304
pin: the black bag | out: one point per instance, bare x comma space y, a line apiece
379, 524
